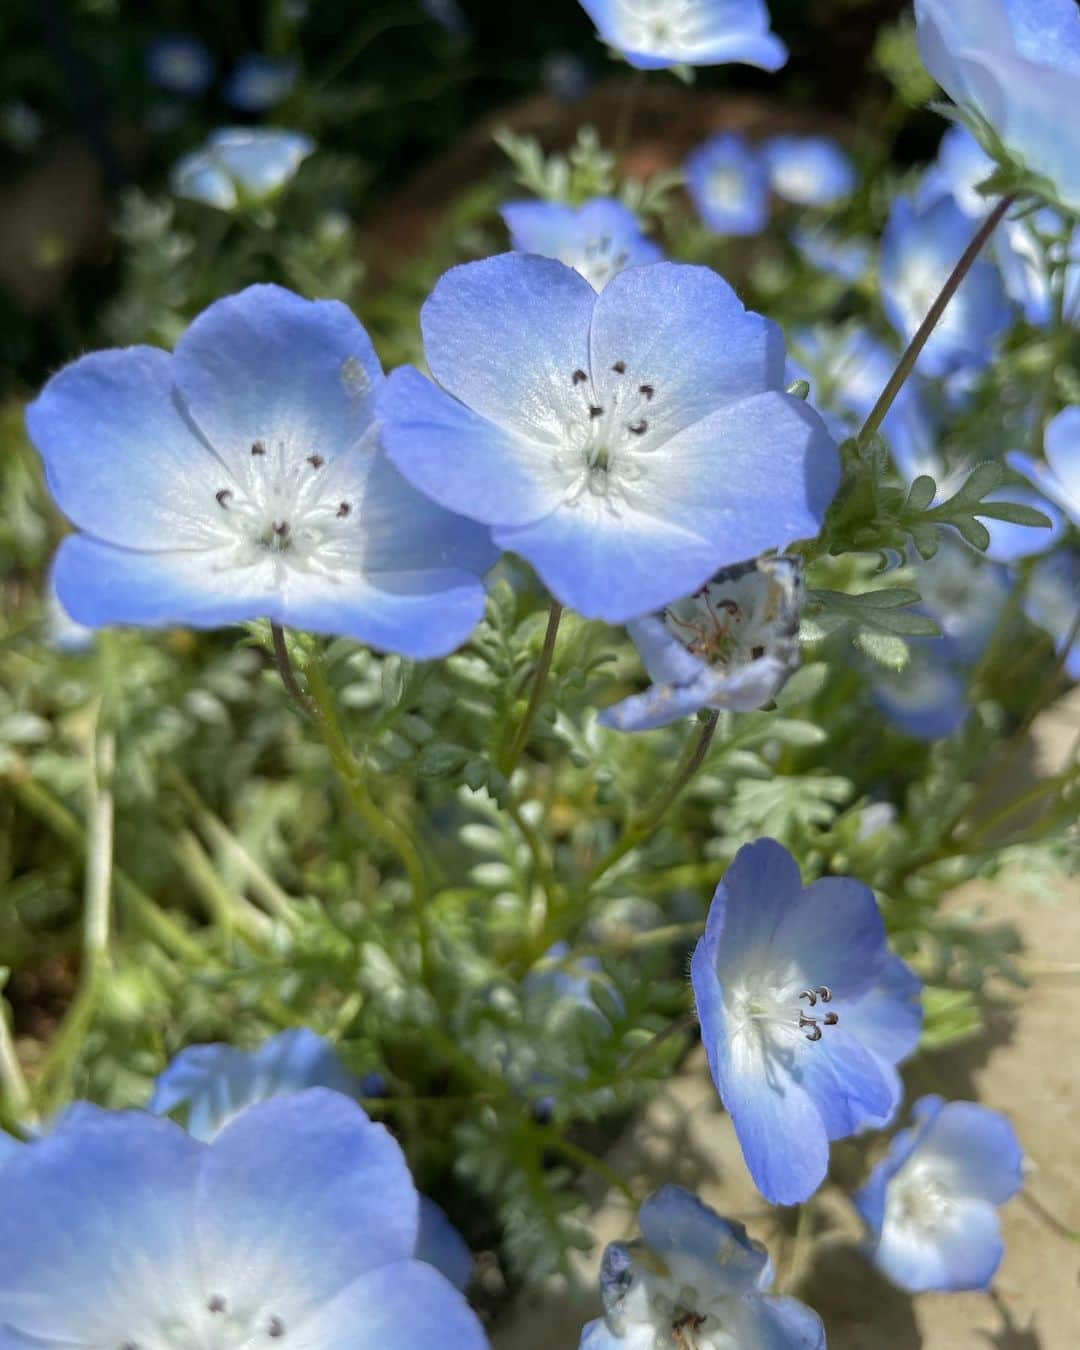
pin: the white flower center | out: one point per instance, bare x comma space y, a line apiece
597, 260
727, 188
659, 26
605, 442
729, 623
919, 1199
220, 1327
785, 1012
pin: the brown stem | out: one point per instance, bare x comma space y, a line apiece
285, 669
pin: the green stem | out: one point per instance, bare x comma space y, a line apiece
284, 664
351, 774
508, 762
549, 1137
933, 318
16, 1094
226, 909
675, 1027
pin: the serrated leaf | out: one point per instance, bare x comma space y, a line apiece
441, 758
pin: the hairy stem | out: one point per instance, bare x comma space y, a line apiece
509, 761
284, 664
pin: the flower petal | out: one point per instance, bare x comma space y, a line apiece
834, 936
978, 1150
963, 1251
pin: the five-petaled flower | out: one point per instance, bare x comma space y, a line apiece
240, 166
597, 239
653, 34
809, 170
931, 1204
241, 478
694, 1281
297, 1224
779, 977
730, 645
1012, 66
727, 180
627, 444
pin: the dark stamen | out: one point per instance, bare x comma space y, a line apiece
831, 1019
810, 996
222, 497
343, 510
756, 653
647, 390
216, 1304
579, 377
282, 529
258, 448
619, 367
813, 1031
638, 428
825, 993
275, 1327
595, 412
316, 461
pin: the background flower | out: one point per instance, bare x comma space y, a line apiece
809, 170
652, 34
240, 166
260, 82
597, 239
729, 185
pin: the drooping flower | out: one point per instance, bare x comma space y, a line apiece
775, 976
627, 444
1012, 66
260, 82
597, 239
928, 698
920, 248
180, 63
809, 170
931, 1204
1052, 602
207, 1086
1059, 477
654, 34
727, 180
240, 166
298, 1221
241, 478
696, 1281
733, 644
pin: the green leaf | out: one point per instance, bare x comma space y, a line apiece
921, 493
884, 648
441, 758
1014, 513
804, 686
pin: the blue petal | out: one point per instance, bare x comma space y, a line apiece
665, 658
596, 1336
407, 1305
980, 1148
833, 935
962, 1252
659, 705
266, 365
729, 185
611, 566
119, 458
440, 1244
506, 334
1052, 601
778, 1324
760, 888
809, 170
598, 239
888, 1019
675, 1222
297, 1197
847, 1083
85, 1210
462, 460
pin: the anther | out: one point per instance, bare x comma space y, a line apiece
831, 1019
825, 993
216, 1304
619, 367
579, 377
316, 461
810, 995
281, 529
275, 1328
258, 448
638, 428
343, 510
595, 412
647, 390
810, 1025
222, 497
756, 653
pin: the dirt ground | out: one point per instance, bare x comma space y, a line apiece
1026, 1062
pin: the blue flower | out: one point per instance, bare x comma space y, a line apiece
694, 1279
1012, 66
965, 593
207, 1086
121, 1229
931, 1204
597, 239
260, 82
1052, 602
62, 632
776, 975
1059, 477
180, 63
848, 259
627, 444
920, 248
1037, 255
240, 166
733, 644
962, 165
565, 76
654, 34
729, 185
449, 15
241, 478
927, 700
809, 170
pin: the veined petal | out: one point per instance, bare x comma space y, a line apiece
833, 935
846, 1082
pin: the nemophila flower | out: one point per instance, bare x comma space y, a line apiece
296, 1225
965, 593
920, 248
240, 166
1058, 478
627, 444
597, 239
931, 1204
694, 1281
565, 76
888, 1020
927, 700
848, 259
180, 63
809, 170
240, 478
653, 34
207, 1086
1052, 602
260, 82
1012, 66
1039, 258
727, 180
775, 976
731, 644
